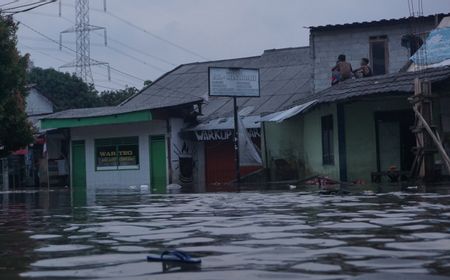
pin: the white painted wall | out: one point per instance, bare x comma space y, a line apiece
118, 179
37, 104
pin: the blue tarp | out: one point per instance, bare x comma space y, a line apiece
436, 48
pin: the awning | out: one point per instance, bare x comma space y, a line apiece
227, 123
120, 118
289, 113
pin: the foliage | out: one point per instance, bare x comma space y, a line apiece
147, 83
15, 131
65, 90
115, 97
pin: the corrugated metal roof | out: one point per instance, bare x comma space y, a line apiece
284, 74
414, 20
289, 113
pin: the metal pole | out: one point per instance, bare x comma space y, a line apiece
236, 145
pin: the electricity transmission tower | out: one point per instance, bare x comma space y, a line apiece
82, 28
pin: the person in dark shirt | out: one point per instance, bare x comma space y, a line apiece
365, 70
342, 71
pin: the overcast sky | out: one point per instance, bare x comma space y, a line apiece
197, 30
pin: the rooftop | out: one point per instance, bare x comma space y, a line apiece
392, 84
284, 77
331, 27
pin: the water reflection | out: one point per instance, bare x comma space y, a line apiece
273, 235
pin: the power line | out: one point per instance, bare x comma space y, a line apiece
156, 36
36, 5
63, 61
112, 68
9, 3
141, 52
113, 40
72, 50
137, 59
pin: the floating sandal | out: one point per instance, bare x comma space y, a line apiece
176, 259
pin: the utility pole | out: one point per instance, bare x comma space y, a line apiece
82, 28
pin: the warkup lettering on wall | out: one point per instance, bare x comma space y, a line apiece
222, 135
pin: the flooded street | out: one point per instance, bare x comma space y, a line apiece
249, 235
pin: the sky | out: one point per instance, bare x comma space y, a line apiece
147, 38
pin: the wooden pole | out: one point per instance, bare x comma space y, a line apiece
436, 141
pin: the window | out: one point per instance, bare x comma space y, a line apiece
327, 140
117, 153
379, 54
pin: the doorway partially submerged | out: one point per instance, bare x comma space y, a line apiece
394, 141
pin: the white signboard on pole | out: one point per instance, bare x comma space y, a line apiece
233, 82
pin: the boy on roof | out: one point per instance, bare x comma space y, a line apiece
342, 71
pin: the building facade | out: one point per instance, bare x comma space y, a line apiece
386, 43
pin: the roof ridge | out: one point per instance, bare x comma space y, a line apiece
383, 20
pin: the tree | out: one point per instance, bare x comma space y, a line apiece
65, 90
147, 83
115, 97
15, 130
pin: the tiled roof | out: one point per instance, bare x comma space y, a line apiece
392, 84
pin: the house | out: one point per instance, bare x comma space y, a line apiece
357, 128
360, 127
121, 147
204, 154
388, 44
172, 132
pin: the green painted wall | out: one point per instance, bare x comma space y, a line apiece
285, 141
102, 120
312, 139
361, 136
299, 139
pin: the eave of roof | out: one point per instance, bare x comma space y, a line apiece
130, 117
330, 27
394, 85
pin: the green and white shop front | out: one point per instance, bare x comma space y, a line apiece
116, 152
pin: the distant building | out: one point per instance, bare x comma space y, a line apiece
37, 104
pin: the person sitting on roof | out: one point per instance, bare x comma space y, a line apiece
365, 70
342, 71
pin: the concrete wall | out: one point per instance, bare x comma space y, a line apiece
354, 43
360, 135
120, 179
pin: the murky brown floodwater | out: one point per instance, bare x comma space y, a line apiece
275, 235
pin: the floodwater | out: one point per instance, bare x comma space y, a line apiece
248, 235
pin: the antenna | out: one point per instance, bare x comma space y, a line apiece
82, 28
